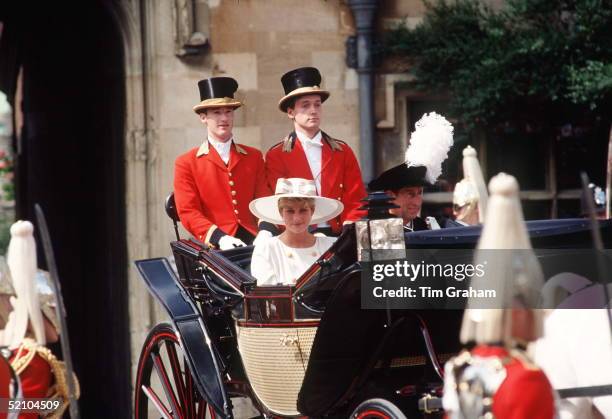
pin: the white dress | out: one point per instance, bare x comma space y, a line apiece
274, 263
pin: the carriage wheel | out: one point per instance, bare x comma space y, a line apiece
377, 409
164, 386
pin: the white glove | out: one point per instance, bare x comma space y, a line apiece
432, 223
262, 237
229, 242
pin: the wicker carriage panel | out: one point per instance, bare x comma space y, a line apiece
275, 360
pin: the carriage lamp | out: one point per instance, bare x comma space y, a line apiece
380, 235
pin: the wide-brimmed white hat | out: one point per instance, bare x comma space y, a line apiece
266, 208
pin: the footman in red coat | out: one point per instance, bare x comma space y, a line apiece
310, 153
215, 182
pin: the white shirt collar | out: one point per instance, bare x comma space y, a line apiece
313, 148
316, 140
219, 144
223, 148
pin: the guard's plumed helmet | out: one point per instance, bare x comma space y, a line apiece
21, 260
516, 276
471, 192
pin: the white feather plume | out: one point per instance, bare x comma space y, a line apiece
429, 144
21, 260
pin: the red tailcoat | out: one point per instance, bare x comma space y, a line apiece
211, 196
340, 173
525, 393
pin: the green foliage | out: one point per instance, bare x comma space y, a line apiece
7, 218
591, 83
534, 61
7, 176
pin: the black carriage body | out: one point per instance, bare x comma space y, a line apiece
356, 354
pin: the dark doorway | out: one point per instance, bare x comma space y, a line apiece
71, 161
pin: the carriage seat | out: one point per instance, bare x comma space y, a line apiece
240, 256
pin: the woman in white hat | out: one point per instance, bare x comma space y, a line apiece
281, 260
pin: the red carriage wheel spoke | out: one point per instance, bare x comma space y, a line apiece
182, 398
177, 374
212, 412
165, 380
150, 393
189, 391
202, 409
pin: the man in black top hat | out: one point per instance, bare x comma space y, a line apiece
309, 153
429, 145
215, 182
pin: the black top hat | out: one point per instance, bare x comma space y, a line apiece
299, 82
217, 87
398, 177
217, 92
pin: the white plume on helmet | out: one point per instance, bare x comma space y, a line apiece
513, 275
471, 191
429, 144
473, 172
21, 260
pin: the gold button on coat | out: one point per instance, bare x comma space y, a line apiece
233, 193
234, 201
231, 182
236, 211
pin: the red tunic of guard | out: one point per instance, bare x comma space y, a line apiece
340, 173
5, 380
525, 393
211, 196
35, 378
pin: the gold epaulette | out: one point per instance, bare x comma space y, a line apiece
333, 143
288, 143
240, 149
59, 390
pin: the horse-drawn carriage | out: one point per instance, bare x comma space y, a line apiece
307, 350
